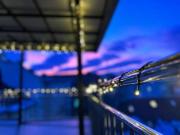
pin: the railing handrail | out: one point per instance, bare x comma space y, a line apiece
135, 125
153, 71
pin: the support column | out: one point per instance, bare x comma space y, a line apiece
80, 76
80, 92
80, 89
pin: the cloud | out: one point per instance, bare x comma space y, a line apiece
114, 58
35, 58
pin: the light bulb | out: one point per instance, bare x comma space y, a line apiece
136, 92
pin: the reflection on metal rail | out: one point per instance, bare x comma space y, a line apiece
112, 122
169, 67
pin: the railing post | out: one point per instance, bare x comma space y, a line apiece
132, 132
114, 126
121, 128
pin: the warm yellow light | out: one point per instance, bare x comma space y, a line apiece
71, 48
21, 47
111, 89
13, 46
64, 48
47, 47
137, 93
73, 4
82, 41
74, 21
39, 47
29, 47
81, 6
81, 33
153, 104
56, 47
4, 47
82, 25
43, 46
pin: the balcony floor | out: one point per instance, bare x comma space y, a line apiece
60, 127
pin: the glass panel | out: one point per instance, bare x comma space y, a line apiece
9, 84
49, 89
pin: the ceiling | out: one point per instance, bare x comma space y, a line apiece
51, 21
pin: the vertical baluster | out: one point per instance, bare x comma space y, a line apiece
114, 125
121, 128
132, 132
105, 125
98, 123
95, 120
109, 125
101, 123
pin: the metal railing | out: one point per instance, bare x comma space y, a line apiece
152, 71
108, 121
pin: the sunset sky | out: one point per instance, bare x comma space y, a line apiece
140, 31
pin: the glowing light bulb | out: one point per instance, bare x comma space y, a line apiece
13, 46
137, 93
35, 91
81, 33
47, 47
111, 89
4, 47
21, 47
39, 47
153, 104
73, 4
74, 21
29, 47
64, 48
56, 47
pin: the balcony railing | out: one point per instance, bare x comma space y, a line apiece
106, 120
152, 71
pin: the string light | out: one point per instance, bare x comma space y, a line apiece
92, 88
78, 12
4, 47
153, 104
73, 4
56, 47
35, 91
74, 21
47, 47
136, 92
82, 24
111, 89
29, 47
82, 34
14, 93
15, 46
